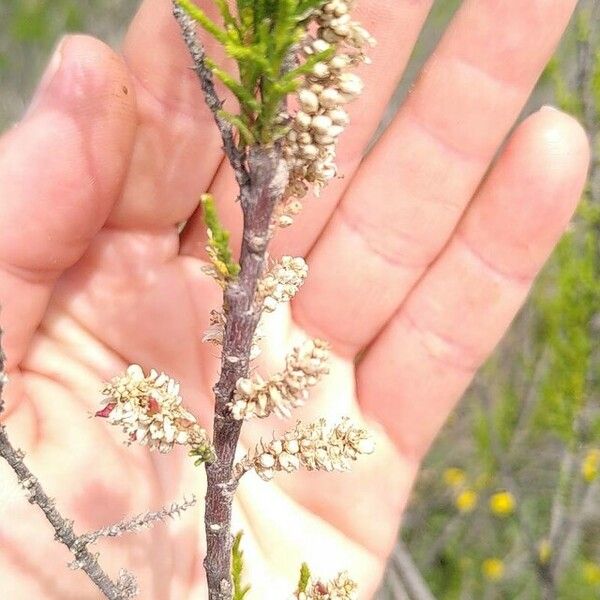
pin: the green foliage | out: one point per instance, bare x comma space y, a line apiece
259, 37
533, 415
482, 436
30, 20
203, 454
218, 240
566, 98
567, 303
237, 568
304, 578
31, 28
596, 82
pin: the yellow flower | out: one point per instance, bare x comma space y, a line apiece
502, 504
454, 477
591, 572
493, 569
544, 551
466, 501
590, 467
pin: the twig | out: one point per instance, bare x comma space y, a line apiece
3, 375
124, 588
134, 524
394, 586
572, 535
262, 176
543, 572
585, 65
214, 103
409, 573
451, 527
530, 401
558, 514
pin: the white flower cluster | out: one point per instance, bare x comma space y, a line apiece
340, 588
216, 328
282, 282
311, 143
313, 446
305, 366
150, 411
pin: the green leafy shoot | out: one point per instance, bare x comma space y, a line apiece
218, 241
304, 578
237, 568
259, 38
203, 455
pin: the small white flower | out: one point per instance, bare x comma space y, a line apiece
150, 411
326, 89
284, 391
314, 447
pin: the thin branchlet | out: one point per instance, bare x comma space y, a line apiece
137, 523
235, 156
63, 528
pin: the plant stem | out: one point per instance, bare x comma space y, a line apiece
268, 177
409, 573
262, 176
235, 156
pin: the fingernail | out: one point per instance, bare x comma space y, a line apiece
48, 77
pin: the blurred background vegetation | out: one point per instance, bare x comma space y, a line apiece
507, 505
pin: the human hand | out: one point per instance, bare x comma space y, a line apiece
419, 258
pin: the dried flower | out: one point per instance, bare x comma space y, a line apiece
314, 446
281, 282
311, 144
127, 584
305, 366
340, 588
149, 410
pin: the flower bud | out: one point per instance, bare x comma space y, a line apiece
308, 101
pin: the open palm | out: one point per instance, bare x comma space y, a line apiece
419, 258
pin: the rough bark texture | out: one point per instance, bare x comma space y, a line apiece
214, 103
262, 176
268, 177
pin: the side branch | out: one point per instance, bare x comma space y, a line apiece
62, 527
214, 103
122, 590
134, 524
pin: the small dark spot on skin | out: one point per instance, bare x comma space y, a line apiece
125, 90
